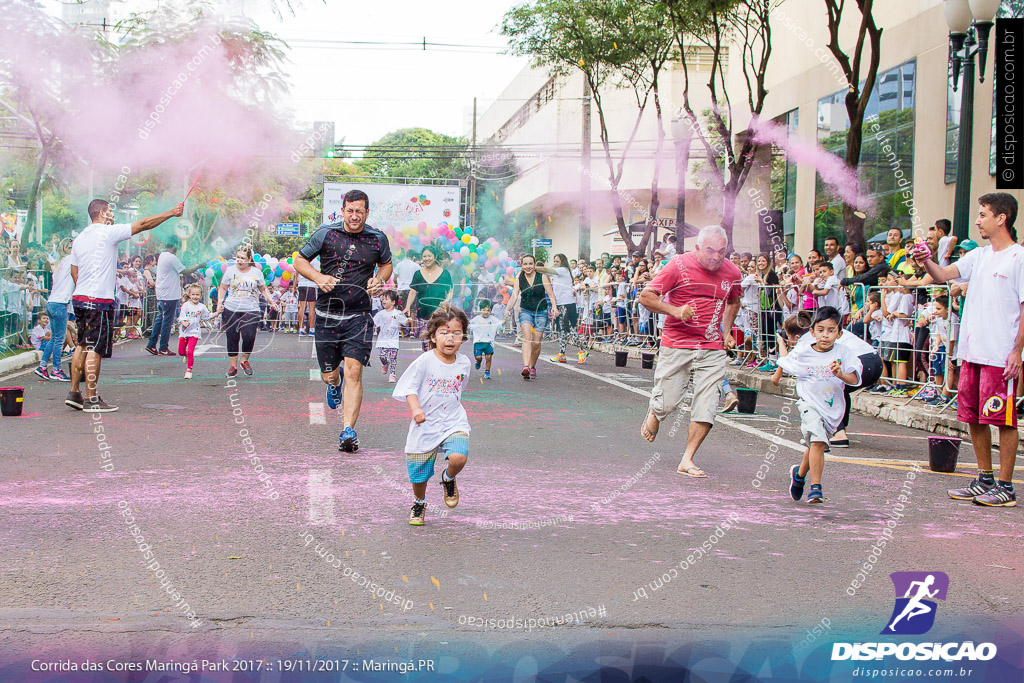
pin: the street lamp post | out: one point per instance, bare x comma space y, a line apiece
970, 23
682, 135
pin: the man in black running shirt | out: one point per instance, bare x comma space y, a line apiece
350, 252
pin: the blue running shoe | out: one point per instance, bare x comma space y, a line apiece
348, 441
487, 374
815, 495
796, 486
333, 396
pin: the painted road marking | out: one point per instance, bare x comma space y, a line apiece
312, 351
905, 465
203, 348
314, 374
748, 429
317, 416
321, 496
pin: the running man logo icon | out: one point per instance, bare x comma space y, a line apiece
914, 612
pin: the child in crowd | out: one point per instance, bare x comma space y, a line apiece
274, 316
389, 321
938, 342
290, 303
133, 316
433, 386
484, 326
793, 328
898, 309
190, 331
822, 370
41, 340
123, 288
826, 287
620, 293
750, 309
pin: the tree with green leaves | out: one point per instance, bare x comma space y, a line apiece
416, 153
711, 27
613, 44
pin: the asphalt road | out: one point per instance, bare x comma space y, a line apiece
564, 509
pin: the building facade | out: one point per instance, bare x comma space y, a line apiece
907, 164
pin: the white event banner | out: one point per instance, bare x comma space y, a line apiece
397, 206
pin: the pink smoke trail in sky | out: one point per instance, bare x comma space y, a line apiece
833, 171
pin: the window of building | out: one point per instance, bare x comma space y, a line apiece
886, 166
783, 179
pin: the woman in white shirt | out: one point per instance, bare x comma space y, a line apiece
565, 300
238, 294
57, 309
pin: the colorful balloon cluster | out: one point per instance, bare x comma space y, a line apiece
465, 247
278, 272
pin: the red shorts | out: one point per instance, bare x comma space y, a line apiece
982, 397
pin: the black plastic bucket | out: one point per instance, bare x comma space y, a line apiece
942, 453
11, 401
748, 400
646, 361
620, 358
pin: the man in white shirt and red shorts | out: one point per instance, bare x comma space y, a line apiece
990, 345
94, 270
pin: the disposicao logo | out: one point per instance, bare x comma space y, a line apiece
914, 614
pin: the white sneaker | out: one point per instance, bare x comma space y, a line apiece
188, 374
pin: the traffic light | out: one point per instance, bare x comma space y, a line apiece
330, 153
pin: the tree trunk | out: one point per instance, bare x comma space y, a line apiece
33, 193
650, 226
729, 209
854, 225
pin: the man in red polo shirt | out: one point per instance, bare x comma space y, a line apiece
699, 291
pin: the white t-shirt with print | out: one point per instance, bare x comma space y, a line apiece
94, 252
189, 318
815, 382
390, 324
243, 294
484, 329
991, 313
439, 387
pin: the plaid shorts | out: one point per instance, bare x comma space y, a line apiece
420, 466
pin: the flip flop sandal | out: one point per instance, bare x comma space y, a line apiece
695, 472
646, 432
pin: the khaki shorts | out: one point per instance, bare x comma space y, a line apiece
672, 375
812, 426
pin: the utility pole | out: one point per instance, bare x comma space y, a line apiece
472, 176
584, 236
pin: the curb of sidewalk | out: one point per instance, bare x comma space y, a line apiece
22, 360
899, 411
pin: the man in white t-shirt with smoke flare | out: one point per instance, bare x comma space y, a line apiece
94, 270
990, 345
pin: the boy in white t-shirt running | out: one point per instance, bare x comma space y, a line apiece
822, 370
389, 321
433, 387
484, 327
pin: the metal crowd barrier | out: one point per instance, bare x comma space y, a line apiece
758, 322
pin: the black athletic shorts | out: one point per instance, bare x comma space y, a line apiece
307, 293
336, 340
95, 326
899, 352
